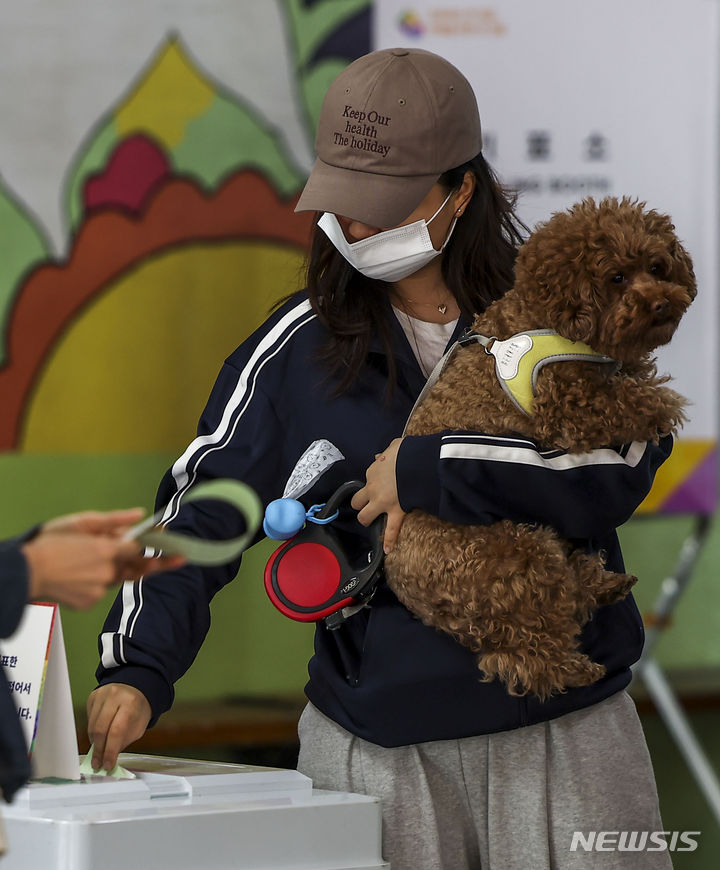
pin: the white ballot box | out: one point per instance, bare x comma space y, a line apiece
191, 815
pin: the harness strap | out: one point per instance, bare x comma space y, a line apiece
518, 360
466, 339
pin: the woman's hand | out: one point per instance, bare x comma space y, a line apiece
380, 495
117, 716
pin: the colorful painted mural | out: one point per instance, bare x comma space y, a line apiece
179, 235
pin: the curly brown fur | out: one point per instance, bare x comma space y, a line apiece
612, 275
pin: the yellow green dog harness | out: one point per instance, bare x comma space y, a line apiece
518, 360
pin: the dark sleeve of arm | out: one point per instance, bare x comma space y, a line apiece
468, 478
13, 587
156, 627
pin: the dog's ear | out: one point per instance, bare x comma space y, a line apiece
682, 270
552, 275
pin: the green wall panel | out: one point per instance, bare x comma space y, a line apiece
252, 648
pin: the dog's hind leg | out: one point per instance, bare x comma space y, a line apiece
546, 665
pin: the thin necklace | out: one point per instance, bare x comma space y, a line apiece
441, 307
424, 368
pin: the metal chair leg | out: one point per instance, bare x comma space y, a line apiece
652, 676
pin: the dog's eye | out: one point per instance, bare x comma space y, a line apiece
657, 269
619, 278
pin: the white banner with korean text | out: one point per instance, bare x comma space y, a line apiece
601, 98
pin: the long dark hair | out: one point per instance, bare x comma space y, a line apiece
477, 266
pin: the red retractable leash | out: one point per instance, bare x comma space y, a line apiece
310, 578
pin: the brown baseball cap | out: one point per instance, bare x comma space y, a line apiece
391, 123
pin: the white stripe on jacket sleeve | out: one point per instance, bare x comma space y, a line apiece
238, 402
513, 451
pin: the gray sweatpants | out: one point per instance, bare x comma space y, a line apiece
505, 801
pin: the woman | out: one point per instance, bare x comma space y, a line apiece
468, 775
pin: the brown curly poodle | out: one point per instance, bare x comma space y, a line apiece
614, 276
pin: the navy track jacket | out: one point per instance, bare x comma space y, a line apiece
383, 676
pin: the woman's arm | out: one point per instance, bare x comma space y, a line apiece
469, 478
156, 627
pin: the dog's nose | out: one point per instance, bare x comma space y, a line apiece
659, 306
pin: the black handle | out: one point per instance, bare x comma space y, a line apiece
376, 529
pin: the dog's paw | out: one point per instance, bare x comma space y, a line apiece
599, 585
613, 587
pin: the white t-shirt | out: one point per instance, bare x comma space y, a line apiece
427, 340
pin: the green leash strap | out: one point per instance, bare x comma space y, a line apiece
199, 551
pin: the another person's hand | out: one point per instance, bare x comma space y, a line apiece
380, 495
117, 716
111, 523
74, 559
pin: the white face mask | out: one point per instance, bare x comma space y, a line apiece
391, 254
